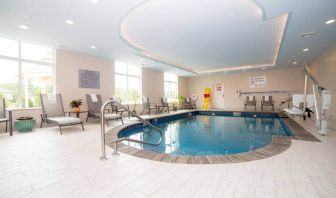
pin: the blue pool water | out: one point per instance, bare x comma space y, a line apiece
209, 135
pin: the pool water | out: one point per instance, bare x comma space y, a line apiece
209, 135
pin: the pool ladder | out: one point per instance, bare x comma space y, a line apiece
102, 126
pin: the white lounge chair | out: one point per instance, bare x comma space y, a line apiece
53, 112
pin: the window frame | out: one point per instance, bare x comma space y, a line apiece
170, 82
127, 75
20, 61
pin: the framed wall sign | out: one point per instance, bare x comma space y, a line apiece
257, 82
89, 79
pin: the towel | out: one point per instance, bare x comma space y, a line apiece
266, 98
94, 98
250, 98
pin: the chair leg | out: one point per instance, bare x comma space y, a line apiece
122, 121
82, 126
6, 126
60, 128
87, 118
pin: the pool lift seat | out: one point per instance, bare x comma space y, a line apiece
321, 98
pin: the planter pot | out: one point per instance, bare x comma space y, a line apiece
25, 125
76, 109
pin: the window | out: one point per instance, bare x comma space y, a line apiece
170, 87
127, 82
26, 71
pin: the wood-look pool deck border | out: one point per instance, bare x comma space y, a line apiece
278, 145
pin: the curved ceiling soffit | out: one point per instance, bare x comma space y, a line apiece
142, 52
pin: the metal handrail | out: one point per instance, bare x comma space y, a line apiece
103, 139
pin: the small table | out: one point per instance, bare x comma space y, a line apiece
77, 113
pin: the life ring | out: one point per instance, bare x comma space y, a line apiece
194, 96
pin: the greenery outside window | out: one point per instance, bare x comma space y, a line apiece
26, 71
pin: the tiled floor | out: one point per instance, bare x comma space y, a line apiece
47, 164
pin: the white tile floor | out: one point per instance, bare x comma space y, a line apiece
46, 164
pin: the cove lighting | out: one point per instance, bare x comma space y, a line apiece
330, 21
24, 27
69, 22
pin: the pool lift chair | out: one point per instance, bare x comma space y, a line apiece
321, 99
53, 112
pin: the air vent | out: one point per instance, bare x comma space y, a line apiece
308, 34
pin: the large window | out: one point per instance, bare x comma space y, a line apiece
170, 86
25, 72
127, 82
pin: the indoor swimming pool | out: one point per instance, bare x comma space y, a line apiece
206, 133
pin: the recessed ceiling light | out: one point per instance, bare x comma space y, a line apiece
26, 17
330, 21
93, 47
306, 49
244, 70
24, 27
94, 1
308, 34
264, 68
69, 22
294, 62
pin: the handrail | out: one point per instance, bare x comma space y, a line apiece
103, 139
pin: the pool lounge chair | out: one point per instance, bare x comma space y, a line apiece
147, 106
164, 105
189, 104
250, 101
3, 112
267, 101
53, 112
117, 109
94, 102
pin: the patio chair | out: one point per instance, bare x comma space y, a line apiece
53, 112
164, 105
267, 101
94, 102
189, 104
3, 112
250, 101
146, 105
119, 110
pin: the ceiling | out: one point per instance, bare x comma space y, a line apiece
182, 36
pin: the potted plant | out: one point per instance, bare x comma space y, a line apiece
134, 96
181, 100
75, 104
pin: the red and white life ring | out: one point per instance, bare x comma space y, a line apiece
194, 96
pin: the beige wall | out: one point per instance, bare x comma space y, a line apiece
182, 86
152, 85
67, 77
324, 69
291, 79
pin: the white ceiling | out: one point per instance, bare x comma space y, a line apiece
183, 36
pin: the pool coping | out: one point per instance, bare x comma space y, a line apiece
278, 145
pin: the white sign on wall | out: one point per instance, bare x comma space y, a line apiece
257, 81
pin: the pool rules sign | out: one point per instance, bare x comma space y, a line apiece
257, 81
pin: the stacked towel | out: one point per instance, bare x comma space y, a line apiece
94, 98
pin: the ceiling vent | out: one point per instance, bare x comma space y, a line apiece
308, 34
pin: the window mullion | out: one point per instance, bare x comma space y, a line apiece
20, 78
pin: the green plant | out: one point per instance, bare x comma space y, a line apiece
181, 99
134, 96
76, 103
